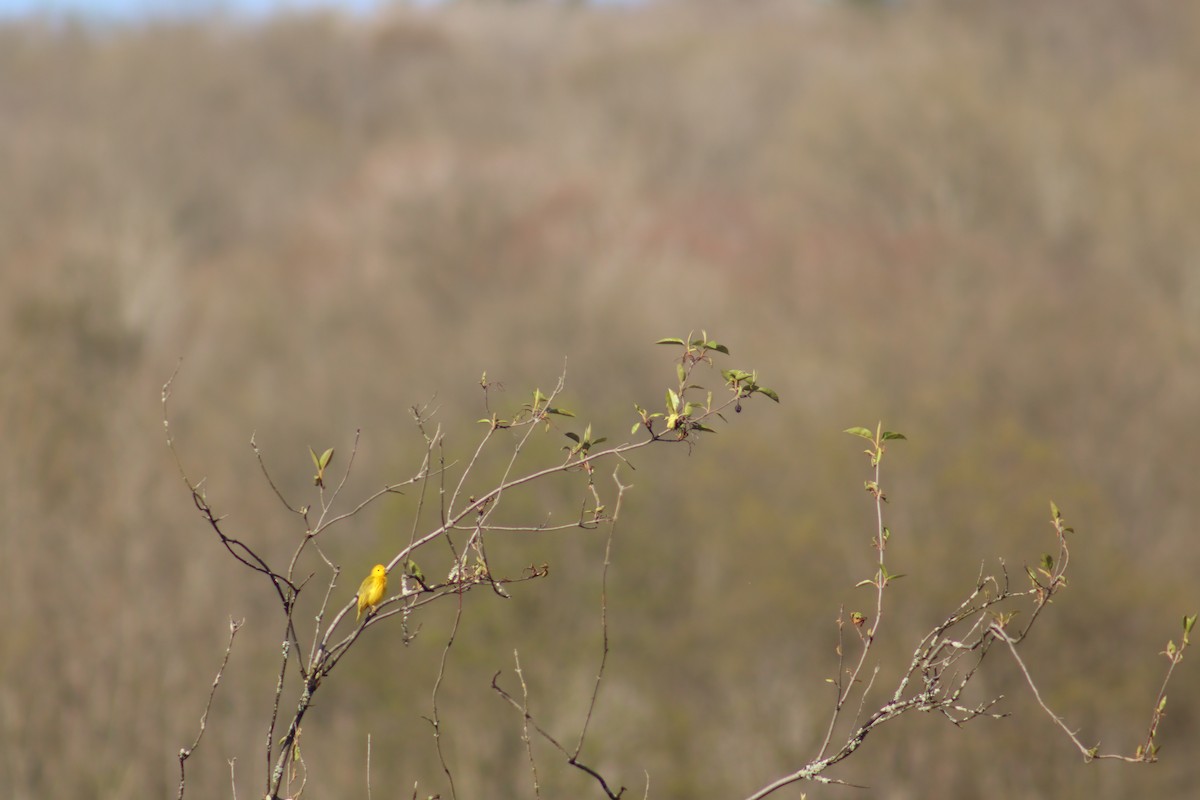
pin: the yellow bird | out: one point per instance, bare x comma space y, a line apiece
372, 589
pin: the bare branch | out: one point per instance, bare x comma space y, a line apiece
186, 752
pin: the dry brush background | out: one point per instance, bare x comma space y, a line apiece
976, 221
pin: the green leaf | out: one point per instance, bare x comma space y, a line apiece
411, 568
670, 340
598, 441
866, 583
635, 427
892, 435
734, 375
574, 437
326, 457
680, 371
863, 432
562, 412
1047, 562
720, 348
316, 461
771, 393
672, 401
1054, 512
1188, 624
702, 427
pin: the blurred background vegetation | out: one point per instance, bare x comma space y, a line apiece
976, 221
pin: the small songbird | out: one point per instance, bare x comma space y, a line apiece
372, 589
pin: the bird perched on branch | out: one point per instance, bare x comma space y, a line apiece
372, 589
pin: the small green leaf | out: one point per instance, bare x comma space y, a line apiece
1054, 512
771, 393
720, 348
562, 412
411, 568
866, 583
316, 461
1188, 624
702, 427
892, 435
574, 437
598, 441
326, 457
680, 371
672, 401
635, 427
670, 340
863, 432
1047, 562
1162, 704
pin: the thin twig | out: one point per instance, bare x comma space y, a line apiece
186, 752
435, 720
537, 789
1089, 753
542, 732
603, 614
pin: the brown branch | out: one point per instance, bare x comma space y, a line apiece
537, 789
603, 614
573, 761
186, 752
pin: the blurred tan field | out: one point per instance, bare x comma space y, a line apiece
974, 221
